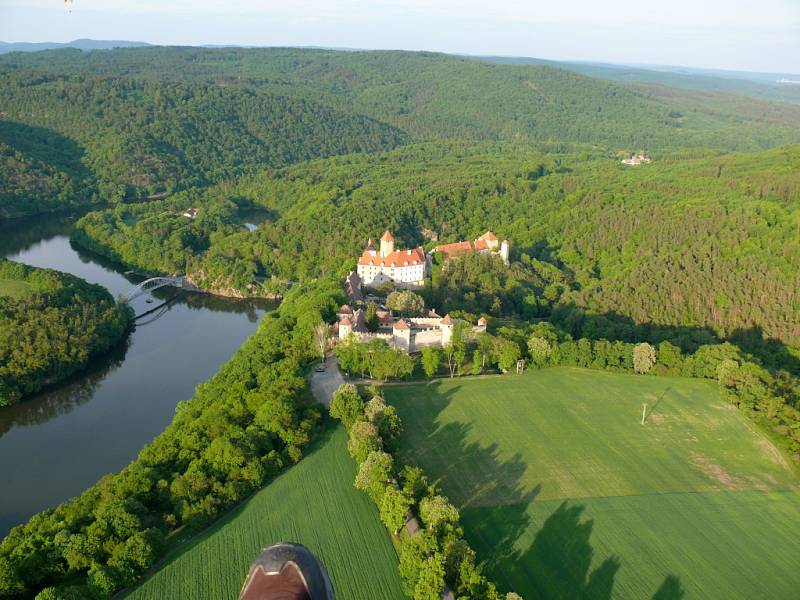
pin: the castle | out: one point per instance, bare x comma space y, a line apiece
409, 334
407, 269
403, 268
486, 244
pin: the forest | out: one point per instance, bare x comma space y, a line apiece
691, 242
51, 325
142, 123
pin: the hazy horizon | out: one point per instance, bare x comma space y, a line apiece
645, 66
733, 35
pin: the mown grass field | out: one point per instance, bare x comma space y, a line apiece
564, 494
313, 503
14, 288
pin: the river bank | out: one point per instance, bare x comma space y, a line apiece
63, 439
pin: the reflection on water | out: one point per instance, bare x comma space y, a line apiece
63, 397
59, 442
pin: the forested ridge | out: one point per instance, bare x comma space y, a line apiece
700, 246
144, 122
51, 325
130, 139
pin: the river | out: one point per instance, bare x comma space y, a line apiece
61, 441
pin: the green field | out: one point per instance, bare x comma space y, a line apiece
14, 288
313, 503
564, 494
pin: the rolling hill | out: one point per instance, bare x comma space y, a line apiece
142, 122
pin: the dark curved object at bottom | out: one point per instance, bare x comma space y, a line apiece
287, 571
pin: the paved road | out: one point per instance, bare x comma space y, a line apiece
324, 384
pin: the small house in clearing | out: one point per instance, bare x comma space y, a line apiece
635, 159
191, 213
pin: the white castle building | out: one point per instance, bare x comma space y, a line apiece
403, 268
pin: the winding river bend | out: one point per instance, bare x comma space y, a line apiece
57, 443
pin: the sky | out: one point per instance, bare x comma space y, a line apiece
752, 35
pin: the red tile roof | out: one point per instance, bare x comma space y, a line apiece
402, 324
448, 321
454, 249
398, 258
489, 236
387, 236
481, 244
346, 322
345, 310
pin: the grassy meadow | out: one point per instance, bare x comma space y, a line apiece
313, 503
565, 494
15, 289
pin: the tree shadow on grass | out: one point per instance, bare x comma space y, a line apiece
495, 499
558, 562
671, 589
492, 491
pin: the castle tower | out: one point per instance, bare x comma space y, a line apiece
345, 327
402, 335
387, 244
447, 329
504, 248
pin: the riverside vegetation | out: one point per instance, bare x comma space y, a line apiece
51, 325
242, 427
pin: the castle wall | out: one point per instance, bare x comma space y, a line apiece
429, 337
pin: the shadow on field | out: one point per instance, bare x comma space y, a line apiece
671, 589
495, 505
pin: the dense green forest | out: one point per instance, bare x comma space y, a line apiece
51, 325
700, 242
440, 96
136, 123
242, 427
700, 246
113, 139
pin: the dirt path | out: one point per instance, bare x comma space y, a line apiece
328, 381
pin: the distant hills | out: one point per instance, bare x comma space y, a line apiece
82, 44
765, 86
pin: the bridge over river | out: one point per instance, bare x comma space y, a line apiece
148, 285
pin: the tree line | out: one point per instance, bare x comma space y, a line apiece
436, 555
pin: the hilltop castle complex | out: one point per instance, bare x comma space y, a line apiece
405, 269
408, 268
409, 334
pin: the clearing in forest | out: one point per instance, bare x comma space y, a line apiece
564, 494
313, 503
14, 288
